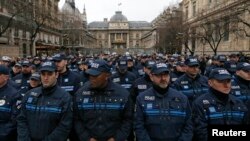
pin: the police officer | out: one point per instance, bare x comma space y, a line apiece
8, 107
217, 62
241, 83
162, 113
67, 79
131, 66
103, 112
16, 69
232, 63
35, 80
178, 70
46, 112
143, 83
217, 107
123, 76
192, 83
23, 79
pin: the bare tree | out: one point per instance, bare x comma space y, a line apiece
240, 19
15, 8
213, 31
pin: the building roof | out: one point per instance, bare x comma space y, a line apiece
98, 25
139, 24
118, 17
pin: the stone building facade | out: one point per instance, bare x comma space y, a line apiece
27, 26
232, 35
118, 34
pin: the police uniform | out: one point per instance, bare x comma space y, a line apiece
216, 108
102, 113
124, 79
46, 113
162, 116
69, 81
22, 80
143, 83
191, 87
8, 109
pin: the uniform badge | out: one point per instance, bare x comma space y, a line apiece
66, 80
126, 79
205, 101
149, 98
176, 99
211, 109
115, 80
34, 94
18, 104
237, 93
2, 102
142, 87
149, 106
18, 81
85, 100
185, 86
30, 99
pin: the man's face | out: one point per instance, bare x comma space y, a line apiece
37, 61
147, 70
61, 65
130, 63
122, 70
244, 74
98, 81
34, 83
6, 63
181, 68
223, 86
193, 70
161, 80
48, 78
26, 69
17, 69
3, 79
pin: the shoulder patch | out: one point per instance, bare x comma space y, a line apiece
205, 101
34, 94
86, 93
149, 98
184, 82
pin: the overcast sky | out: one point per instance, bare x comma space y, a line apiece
134, 10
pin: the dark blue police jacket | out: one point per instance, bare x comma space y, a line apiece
162, 117
8, 112
102, 114
46, 114
209, 110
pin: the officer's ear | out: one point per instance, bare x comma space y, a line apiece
151, 76
210, 82
57, 74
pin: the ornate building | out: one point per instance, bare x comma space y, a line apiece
74, 27
118, 34
213, 26
28, 26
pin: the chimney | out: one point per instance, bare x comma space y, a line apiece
105, 19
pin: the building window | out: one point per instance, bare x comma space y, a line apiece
186, 12
194, 8
16, 32
24, 34
137, 35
